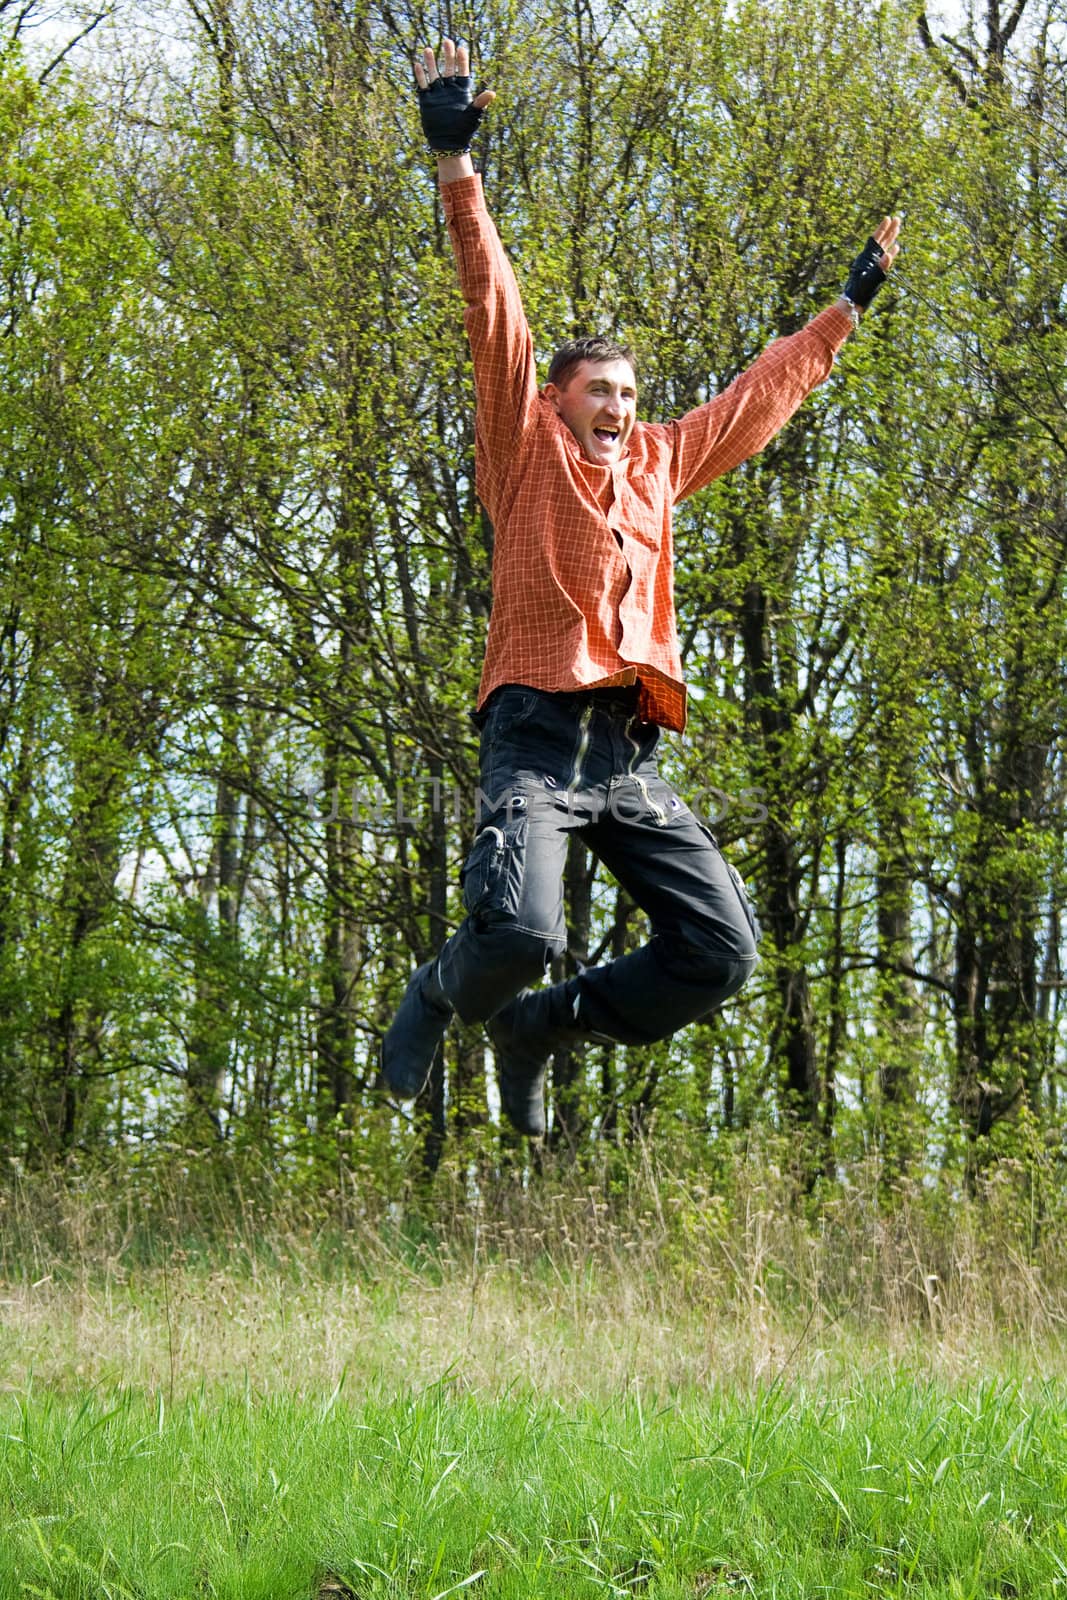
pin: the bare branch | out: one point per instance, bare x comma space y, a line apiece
91, 27
1013, 21
968, 55
209, 24
937, 55
24, 15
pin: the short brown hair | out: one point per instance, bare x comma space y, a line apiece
596, 347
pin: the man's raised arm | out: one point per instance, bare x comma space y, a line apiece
740, 421
505, 375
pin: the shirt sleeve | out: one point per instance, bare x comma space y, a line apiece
738, 423
505, 377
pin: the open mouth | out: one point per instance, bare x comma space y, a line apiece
606, 435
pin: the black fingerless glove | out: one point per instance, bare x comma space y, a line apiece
449, 120
866, 276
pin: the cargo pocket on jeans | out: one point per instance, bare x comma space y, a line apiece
481, 871
491, 875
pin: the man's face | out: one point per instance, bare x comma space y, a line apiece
599, 405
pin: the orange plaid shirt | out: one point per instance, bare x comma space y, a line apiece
583, 597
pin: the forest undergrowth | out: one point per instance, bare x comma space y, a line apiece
170, 1274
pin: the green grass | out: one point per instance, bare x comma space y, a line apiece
887, 1486
565, 1391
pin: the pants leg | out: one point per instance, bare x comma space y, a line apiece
702, 947
513, 877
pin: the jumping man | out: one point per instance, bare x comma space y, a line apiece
582, 666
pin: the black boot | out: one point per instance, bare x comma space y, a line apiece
524, 1036
417, 1029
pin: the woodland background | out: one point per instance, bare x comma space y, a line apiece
245, 577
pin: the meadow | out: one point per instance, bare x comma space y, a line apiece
555, 1391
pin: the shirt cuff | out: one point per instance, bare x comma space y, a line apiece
465, 195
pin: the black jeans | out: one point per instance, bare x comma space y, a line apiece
553, 765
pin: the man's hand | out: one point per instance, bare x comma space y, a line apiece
450, 113
874, 261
